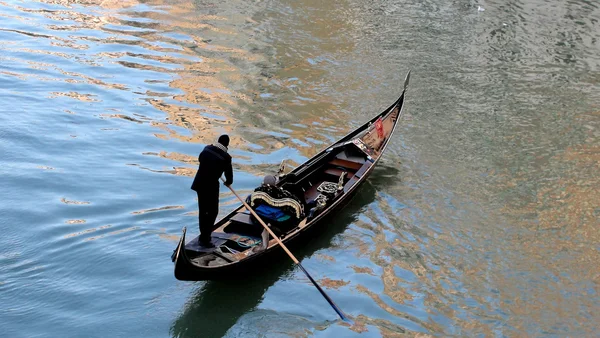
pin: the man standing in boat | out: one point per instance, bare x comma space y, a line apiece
214, 160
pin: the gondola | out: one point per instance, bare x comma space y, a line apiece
293, 204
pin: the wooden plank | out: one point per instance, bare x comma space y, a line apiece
350, 184
312, 192
302, 224
337, 172
362, 170
222, 227
352, 158
243, 218
346, 164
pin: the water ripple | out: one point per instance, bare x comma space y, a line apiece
479, 220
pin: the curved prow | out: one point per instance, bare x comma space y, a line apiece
180, 246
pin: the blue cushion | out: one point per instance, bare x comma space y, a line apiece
269, 212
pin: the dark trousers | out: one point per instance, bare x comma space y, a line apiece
208, 209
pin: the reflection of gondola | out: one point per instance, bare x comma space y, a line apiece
216, 306
293, 206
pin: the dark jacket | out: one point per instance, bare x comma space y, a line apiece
213, 162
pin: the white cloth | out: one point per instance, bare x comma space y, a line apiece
220, 146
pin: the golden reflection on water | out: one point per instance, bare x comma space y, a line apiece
88, 231
389, 255
365, 270
66, 201
170, 207
332, 283
75, 95
559, 240
213, 99
210, 83
75, 221
117, 232
109, 4
325, 257
169, 237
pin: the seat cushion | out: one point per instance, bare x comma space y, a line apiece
270, 212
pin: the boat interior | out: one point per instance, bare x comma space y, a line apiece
317, 185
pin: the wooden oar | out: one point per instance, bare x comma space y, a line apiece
335, 307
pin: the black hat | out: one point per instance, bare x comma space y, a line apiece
224, 140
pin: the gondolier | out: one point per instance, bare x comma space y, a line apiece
214, 160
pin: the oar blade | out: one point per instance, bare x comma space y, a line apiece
329, 300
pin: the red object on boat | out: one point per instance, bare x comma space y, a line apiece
379, 127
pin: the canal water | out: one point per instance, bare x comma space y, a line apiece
481, 219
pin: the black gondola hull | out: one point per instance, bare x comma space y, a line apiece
374, 130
